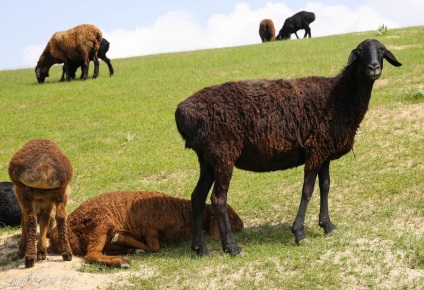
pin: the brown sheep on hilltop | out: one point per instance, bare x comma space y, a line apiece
41, 174
76, 44
114, 222
267, 30
269, 125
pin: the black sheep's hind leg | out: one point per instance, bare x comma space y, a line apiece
198, 200
219, 202
324, 186
307, 191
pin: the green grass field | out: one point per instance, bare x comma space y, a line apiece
120, 134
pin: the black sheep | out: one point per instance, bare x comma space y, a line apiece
268, 125
300, 20
10, 210
74, 65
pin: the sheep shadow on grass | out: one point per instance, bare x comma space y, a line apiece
249, 237
273, 234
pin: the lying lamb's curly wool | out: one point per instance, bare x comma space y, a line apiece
76, 44
115, 222
300, 20
41, 174
10, 212
267, 30
267, 125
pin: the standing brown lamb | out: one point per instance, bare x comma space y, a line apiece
267, 30
76, 44
114, 222
41, 174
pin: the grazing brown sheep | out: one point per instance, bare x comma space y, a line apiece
76, 44
267, 30
41, 174
269, 125
114, 222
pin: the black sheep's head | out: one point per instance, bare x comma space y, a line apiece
41, 73
368, 57
284, 33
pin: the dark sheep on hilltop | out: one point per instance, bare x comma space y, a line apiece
76, 44
116, 222
41, 174
300, 20
10, 211
74, 65
267, 30
268, 125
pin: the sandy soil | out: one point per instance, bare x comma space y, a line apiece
53, 273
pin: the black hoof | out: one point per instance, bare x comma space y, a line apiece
29, 262
201, 251
67, 256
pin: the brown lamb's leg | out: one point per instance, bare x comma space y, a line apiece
63, 237
23, 239
44, 222
151, 246
29, 233
95, 254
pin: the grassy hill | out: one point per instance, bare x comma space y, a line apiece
120, 134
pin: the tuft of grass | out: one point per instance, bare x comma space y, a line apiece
382, 30
413, 96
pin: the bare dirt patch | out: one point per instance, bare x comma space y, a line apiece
54, 273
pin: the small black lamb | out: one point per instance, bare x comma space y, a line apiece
268, 125
10, 210
300, 20
74, 65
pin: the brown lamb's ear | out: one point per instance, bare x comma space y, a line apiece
391, 58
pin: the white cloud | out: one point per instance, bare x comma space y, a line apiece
32, 54
337, 19
405, 12
180, 31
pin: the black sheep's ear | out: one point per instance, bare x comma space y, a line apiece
352, 56
391, 58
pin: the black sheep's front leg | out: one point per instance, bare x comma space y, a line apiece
85, 67
219, 202
66, 69
324, 186
96, 66
298, 230
198, 200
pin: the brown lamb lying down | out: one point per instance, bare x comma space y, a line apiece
115, 222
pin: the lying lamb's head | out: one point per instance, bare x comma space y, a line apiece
41, 73
211, 225
368, 57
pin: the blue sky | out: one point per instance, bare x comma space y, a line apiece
146, 27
